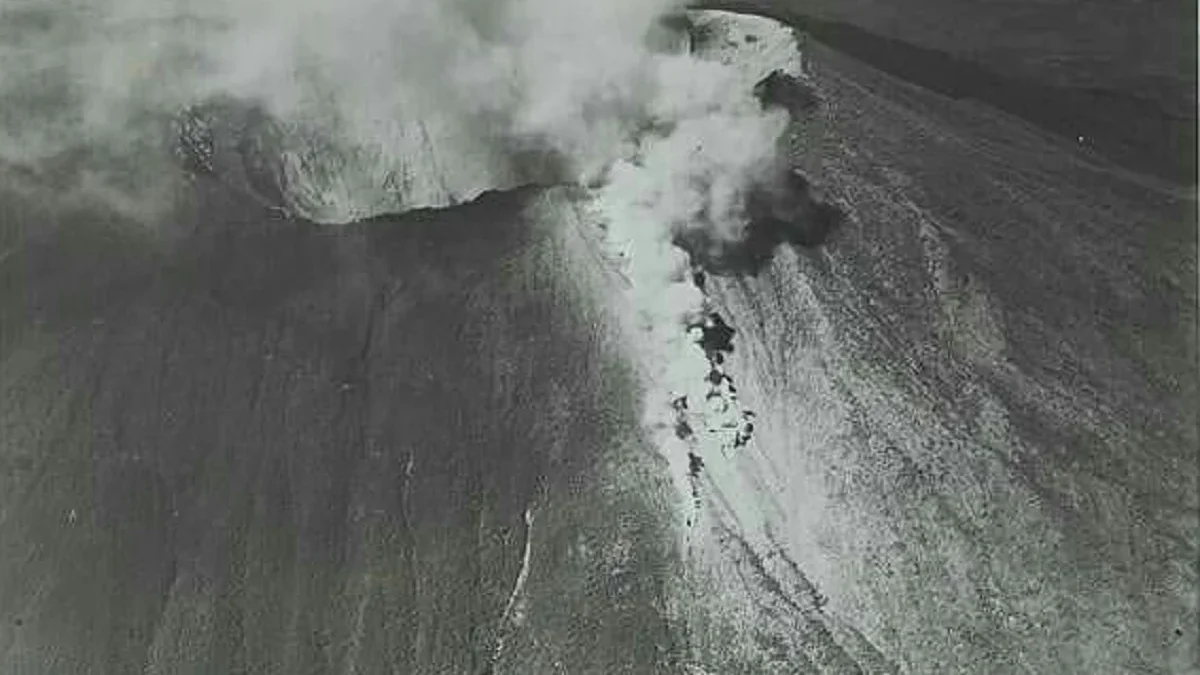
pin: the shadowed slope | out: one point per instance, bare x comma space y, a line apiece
276, 447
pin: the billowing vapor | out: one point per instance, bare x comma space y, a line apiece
388, 104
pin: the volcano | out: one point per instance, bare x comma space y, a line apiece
936, 409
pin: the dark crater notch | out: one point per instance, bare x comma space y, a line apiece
781, 90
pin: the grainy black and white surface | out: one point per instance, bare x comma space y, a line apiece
241, 441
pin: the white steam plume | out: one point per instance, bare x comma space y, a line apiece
449, 95
444, 93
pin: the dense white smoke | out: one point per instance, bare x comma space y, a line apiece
451, 96
387, 105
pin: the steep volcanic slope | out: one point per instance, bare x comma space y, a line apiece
413, 443
1131, 48
280, 448
1116, 78
975, 445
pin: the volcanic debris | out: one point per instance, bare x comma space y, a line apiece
195, 144
715, 336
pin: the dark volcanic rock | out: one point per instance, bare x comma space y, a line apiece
788, 92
